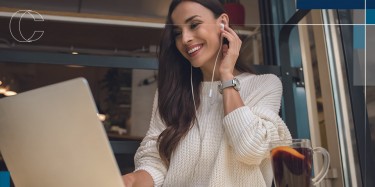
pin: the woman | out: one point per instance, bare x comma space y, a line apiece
200, 134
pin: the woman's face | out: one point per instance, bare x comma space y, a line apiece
197, 33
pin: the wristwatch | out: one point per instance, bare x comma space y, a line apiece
235, 83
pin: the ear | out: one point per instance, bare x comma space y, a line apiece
224, 18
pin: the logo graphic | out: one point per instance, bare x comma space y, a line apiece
17, 34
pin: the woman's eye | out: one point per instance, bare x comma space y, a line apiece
176, 33
194, 25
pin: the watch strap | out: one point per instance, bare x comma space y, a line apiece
230, 83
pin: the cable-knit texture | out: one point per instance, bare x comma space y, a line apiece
227, 151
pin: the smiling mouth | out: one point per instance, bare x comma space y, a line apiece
194, 50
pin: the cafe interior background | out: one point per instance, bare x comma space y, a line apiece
91, 29
113, 45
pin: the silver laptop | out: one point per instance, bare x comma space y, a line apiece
52, 137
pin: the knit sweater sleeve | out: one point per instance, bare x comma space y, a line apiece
250, 128
147, 157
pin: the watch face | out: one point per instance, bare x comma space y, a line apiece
236, 83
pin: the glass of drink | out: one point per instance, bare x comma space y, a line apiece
292, 162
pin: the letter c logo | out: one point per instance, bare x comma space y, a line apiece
20, 14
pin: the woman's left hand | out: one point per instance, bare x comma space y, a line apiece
230, 53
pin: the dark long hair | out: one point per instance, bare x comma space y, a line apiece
175, 101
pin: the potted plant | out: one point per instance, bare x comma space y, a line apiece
235, 11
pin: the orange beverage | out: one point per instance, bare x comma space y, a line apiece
292, 166
292, 163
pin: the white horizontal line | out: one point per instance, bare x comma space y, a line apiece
91, 20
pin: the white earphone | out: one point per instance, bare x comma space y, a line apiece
218, 52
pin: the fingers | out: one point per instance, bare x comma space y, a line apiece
231, 31
225, 49
234, 41
128, 180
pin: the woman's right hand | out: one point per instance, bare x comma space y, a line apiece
139, 178
128, 179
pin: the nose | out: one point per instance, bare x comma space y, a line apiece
187, 37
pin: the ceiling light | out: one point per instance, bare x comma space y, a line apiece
10, 93
2, 90
102, 117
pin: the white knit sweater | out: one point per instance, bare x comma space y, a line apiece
234, 150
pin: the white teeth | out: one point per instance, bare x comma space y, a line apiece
194, 49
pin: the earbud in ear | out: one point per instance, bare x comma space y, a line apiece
222, 26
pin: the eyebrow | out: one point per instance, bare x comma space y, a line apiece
192, 17
187, 20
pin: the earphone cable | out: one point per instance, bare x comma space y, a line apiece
213, 71
198, 126
192, 94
